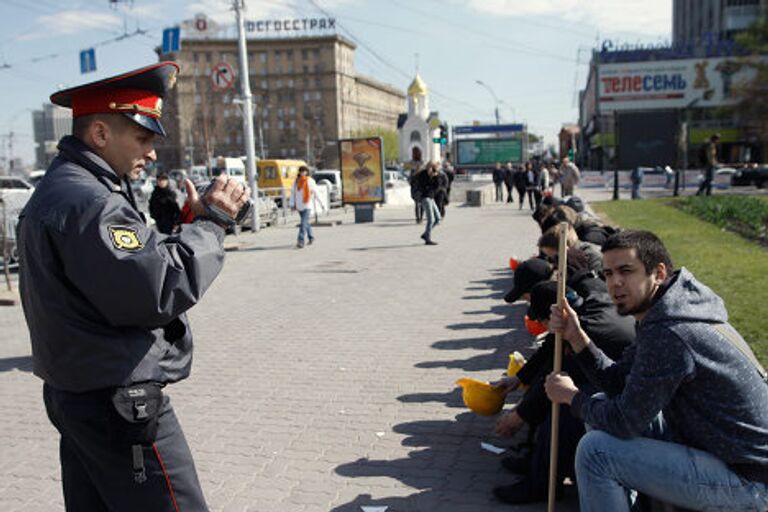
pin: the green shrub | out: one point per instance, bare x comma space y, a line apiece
747, 216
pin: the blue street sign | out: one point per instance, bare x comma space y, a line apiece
171, 40
488, 128
88, 60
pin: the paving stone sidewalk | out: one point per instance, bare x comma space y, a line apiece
324, 377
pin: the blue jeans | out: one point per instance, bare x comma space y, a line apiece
608, 467
304, 226
433, 216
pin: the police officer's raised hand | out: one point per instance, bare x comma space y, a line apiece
228, 195
566, 322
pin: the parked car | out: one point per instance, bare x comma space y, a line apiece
757, 176
332, 179
35, 177
268, 211
393, 178
15, 192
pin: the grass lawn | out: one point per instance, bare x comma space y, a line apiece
736, 269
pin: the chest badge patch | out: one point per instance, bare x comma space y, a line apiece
125, 239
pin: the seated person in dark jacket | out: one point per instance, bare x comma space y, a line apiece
684, 417
163, 206
599, 317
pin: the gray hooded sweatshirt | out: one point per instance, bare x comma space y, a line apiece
691, 365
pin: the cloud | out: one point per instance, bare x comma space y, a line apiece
73, 21
221, 10
643, 17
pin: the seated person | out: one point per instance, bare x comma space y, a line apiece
615, 333
684, 417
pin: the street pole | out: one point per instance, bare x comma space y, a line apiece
495, 99
247, 114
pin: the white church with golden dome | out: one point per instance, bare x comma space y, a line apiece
419, 126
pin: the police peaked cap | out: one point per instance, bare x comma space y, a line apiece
137, 95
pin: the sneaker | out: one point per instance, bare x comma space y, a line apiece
300, 244
429, 242
310, 241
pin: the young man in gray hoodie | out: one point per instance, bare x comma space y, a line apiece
684, 414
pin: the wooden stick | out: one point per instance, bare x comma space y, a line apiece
557, 365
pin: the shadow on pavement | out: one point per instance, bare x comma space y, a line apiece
23, 363
448, 468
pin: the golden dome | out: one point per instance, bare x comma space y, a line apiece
417, 87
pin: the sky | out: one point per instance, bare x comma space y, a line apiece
532, 54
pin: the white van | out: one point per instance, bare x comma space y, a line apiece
232, 167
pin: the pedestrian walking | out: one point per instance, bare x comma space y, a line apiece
636, 180
163, 206
509, 181
531, 185
304, 199
498, 182
710, 165
544, 183
415, 166
441, 195
569, 177
683, 418
105, 299
428, 186
521, 185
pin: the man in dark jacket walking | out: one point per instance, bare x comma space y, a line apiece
707, 451
163, 206
498, 182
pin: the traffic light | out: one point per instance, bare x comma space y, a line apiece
443, 137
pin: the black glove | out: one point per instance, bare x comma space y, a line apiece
218, 215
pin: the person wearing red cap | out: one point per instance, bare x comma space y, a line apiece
105, 299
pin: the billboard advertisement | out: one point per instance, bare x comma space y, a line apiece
669, 84
489, 151
647, 139
362, 170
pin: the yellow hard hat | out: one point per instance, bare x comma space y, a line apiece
481, 397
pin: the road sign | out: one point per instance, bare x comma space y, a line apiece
222, 77
490, 128
88, 60
171, 40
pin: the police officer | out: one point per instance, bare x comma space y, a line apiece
105, 298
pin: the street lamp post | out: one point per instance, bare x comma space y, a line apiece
495, 98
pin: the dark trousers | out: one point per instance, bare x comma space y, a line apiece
418, 210
97, 468
521, 195
706, 185
509, 194
571, 431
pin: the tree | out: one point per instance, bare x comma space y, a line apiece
390, 137
753, 94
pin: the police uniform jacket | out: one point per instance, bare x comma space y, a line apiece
104, 296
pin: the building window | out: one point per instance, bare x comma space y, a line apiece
195, 56
292, 111
415, 136
306, 82
198, 99
207, 56
318, 82
318, 95
289, 54
278, 54
316, 51
263, 57
305, 69
264, 84
306, 96
280, 124
279, 84
292, 124
293, 151
304, 53
290, 83
226, 113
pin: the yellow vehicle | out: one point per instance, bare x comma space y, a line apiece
278, 175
